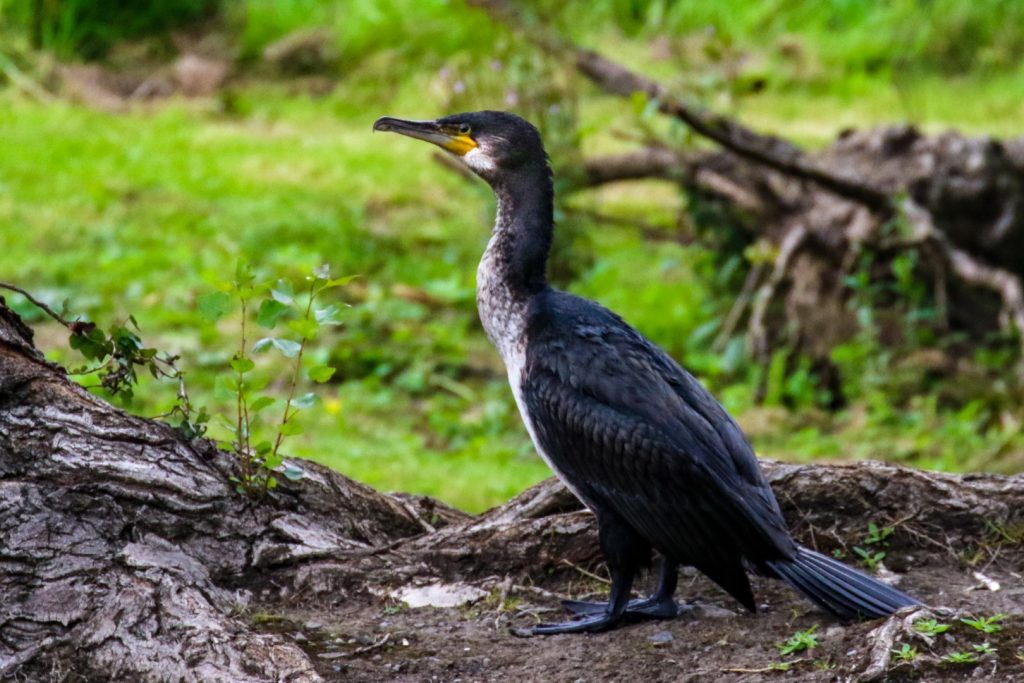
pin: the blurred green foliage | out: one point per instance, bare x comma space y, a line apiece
849, 36
144, 212
89, 28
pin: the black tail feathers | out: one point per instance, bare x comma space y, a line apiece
841, 590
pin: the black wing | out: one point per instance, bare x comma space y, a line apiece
634, 432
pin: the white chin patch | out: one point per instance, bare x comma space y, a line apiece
477, 160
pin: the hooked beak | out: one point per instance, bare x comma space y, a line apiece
431, 131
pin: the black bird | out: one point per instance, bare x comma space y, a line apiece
634, 436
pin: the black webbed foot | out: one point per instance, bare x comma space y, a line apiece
653, 607
591, 623
621, 547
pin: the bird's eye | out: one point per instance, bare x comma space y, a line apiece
464, 128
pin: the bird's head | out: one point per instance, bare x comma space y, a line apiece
495, 144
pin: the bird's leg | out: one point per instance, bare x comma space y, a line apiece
659, 605
624, 550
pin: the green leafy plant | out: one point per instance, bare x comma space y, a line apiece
298, 313
115, 356
985, 624
877, 535
985, 649
869, 559
905, 653
961, 658
930, 627
799, 642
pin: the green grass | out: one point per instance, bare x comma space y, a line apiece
143, 212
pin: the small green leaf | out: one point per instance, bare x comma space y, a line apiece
91, 343
225, 386
338, 282
272, 461
293, 473
304, 401
255, 383
291, 429
321, 373
125, 340
242, 365
270, 312
271, 482
287, 347
305, 327
330, 315
214, 305
260, 403
264, 447
262, 345
283, 292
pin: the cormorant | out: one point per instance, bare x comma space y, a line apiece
632, 434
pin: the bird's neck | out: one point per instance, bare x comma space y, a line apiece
512, 269
523, 227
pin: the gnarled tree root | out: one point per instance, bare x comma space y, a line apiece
125, 554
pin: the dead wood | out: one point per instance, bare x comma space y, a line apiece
962, 197
125, 554
123, 549
651, 162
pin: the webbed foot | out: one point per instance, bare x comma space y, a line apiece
647, 608
590, 623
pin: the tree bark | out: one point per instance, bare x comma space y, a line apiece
126, 555
124, 549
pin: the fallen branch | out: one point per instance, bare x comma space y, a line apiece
642, 164
732, 319
376, 645
773, 152
884, 638
584, 572
969, 268
791, 244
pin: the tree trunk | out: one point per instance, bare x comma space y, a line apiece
126, 555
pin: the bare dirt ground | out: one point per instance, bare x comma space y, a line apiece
381, 639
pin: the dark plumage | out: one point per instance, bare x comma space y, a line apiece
656, 458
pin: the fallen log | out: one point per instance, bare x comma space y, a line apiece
820, 212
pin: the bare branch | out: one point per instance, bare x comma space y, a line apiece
738, 307
970, 269
791, 243
773, 152
38, 304
651, 162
